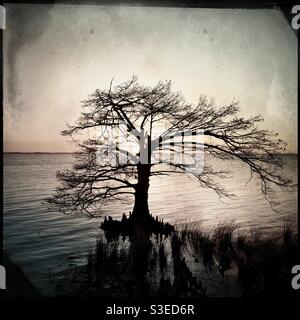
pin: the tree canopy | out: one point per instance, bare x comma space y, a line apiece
144, 111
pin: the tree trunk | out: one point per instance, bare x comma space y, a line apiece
141, 210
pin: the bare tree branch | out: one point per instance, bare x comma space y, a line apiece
227, 136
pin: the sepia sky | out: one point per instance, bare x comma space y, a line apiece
56, 55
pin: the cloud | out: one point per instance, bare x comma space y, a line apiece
25, 24
56, 55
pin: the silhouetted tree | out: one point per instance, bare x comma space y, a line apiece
144, 111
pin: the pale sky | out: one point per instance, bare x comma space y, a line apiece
56, 55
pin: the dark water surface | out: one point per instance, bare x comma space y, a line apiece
43, 241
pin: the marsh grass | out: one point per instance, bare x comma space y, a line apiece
263, 262
260, 263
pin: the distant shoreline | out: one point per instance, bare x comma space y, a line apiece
15, 152
38, 152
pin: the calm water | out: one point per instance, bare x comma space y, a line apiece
43, 241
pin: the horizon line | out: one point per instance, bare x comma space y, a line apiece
69, 152
38, 152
